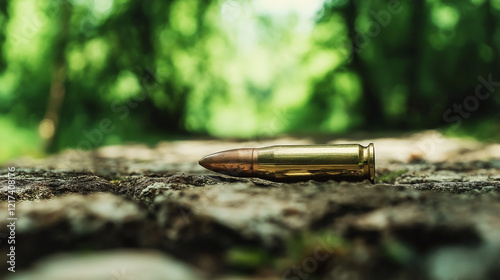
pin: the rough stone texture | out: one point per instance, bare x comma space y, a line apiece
75, 222
433, 215
44, 184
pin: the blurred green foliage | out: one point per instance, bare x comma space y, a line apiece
85, 73
390, 176
248, 258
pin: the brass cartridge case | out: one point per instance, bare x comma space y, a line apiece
318, 162
349, 162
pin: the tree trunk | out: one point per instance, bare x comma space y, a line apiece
417, 22
371, 107
49, 126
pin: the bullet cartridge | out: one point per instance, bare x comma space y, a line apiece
345, 162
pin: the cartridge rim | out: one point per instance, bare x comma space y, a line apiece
371, 154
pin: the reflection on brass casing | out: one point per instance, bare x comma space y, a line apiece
350, 162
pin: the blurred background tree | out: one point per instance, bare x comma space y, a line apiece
85, 73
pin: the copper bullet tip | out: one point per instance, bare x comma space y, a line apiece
238, 162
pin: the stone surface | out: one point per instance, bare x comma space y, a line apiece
113, 264
33, 184
436, 203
